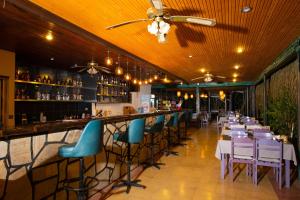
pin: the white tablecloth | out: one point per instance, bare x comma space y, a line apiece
224, 147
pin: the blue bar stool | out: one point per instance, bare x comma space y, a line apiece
171, 124
134, 134
156, 128
89, 144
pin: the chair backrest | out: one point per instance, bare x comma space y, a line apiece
265, 134
90, 141
136, 131
236, 126
268, 150
242, 148
262, 129
158, 124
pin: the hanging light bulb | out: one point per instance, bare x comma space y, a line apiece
192, 96
178, 93
108, 60
127, 76
119, 69
146, 81
155, 77
140, 81
135, 80
150, 80
186, 96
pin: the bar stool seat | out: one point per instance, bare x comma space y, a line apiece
89, 144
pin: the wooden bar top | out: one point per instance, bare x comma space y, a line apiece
65, 125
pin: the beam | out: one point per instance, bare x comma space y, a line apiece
205, 85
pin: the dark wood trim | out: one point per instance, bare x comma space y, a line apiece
48, 16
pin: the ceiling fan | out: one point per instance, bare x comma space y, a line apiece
92, 68
208, 77
160, 17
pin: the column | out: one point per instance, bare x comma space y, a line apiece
197, 100
265, 100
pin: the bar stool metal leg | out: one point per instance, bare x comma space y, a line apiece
129, 183
168, 151
152, 161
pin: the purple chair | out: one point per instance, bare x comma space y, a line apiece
242, 151
268, 153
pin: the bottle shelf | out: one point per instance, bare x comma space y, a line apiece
53, 84
111, 85
37, 100
108, 95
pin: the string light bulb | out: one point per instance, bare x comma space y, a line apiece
155, 77
178, 93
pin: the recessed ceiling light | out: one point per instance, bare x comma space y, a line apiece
49, 36
202, 70
240, 49
235, 75
246, 9
52, 58
190, 56
236, 66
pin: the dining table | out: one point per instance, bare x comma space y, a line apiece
223, 151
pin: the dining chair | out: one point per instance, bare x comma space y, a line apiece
269, 154
242, 151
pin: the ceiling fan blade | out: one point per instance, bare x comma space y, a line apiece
76, 66
82, 70
104, 70
157, 4
197, 78
193, 20
220, 76
125, 23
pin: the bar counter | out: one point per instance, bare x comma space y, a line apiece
31, 169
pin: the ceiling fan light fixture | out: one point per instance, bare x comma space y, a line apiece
207, 79
162, 38
92, 71
153, 28
164, 27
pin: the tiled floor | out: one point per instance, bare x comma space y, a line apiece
195, 174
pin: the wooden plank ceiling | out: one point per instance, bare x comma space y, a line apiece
263, 33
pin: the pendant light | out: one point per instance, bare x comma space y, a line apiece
119, 69
140, 81
178, 93
135, 80
127, 76
108, 60
186, 96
